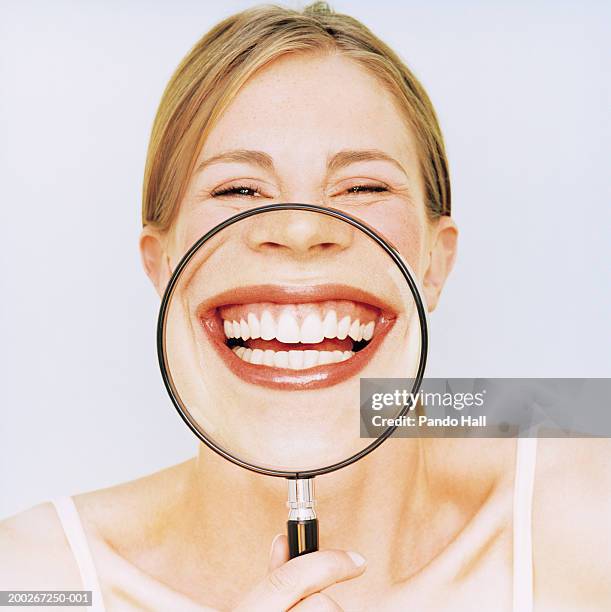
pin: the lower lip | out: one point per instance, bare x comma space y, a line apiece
286, 379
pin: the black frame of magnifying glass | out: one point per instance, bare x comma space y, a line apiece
167, 377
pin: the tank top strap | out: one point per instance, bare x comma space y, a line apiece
75, 534
526, 459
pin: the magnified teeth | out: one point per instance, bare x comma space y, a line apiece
326, 357
329, 325
268, 327
310, 359
257, 356
244, 331
299, 323
354, 330
294, 360
312, 330
288, 329
338, 356
253, 326
343, 327
281, 359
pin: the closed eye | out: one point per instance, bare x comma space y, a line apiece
365, 189
243, 191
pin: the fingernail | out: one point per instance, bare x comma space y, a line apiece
357, 559
274, 542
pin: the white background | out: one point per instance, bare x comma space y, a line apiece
522, 93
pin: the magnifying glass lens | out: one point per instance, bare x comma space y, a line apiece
268, 325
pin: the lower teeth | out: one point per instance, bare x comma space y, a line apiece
294, 360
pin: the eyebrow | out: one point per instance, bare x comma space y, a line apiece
336, 162
243, 156
345, 158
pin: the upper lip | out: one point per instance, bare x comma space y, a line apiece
294, 294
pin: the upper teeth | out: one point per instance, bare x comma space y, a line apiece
287, 329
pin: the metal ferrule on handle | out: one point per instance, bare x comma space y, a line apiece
302, 525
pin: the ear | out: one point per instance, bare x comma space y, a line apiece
154, 257
441, 256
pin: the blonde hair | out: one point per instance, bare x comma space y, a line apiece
215, 69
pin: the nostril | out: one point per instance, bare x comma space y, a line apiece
324, 247
271, 245
328, 248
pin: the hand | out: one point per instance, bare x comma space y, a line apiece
296, 584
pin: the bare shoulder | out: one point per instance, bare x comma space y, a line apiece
33, 545
34, 552
571, 521
125, 514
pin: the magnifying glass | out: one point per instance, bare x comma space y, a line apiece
267, 325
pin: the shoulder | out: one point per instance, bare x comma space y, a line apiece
33, 545
571, 526
34, 552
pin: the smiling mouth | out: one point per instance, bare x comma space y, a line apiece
295, 337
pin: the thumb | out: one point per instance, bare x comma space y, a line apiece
279, 553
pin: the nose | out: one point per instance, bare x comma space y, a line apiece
298, 234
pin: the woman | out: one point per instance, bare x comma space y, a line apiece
271, 106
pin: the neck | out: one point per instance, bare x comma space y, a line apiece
232, 506
377, 506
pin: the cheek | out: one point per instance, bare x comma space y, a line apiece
404, 227
192, 222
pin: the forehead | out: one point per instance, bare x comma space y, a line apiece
305, 105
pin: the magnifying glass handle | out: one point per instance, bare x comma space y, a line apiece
302, 526
303, 537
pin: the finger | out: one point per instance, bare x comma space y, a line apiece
319, 602
279, 553
293, 581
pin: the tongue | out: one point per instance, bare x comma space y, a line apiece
328, 344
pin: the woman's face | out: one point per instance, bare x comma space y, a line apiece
281, 314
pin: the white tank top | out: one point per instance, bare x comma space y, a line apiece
526, 457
